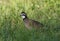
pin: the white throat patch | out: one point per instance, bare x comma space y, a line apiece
23, 17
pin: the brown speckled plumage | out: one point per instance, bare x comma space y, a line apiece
29, 23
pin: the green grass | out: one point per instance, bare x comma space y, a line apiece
45, 11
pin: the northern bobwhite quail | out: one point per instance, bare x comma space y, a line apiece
29, 23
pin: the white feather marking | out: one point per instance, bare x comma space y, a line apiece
23, 16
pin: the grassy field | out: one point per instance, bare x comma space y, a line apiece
45, 11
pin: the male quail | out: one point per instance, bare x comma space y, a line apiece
29, 23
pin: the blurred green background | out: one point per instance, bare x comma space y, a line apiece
45, 11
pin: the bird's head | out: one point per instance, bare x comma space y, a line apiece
23, 15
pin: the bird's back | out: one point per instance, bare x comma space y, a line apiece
32, 24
